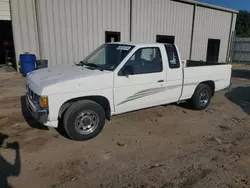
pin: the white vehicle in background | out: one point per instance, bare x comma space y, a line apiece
118, 78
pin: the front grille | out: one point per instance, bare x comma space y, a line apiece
32, 95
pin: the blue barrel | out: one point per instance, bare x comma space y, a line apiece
28, 63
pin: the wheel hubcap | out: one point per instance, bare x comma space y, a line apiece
86, 122
204, 97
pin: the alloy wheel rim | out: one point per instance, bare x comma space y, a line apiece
204, 97
86, 122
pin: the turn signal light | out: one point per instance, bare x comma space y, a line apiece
44, 102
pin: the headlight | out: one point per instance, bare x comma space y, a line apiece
43, 101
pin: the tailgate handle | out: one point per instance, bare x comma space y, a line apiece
160, 81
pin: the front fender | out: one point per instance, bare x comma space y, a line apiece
56, 101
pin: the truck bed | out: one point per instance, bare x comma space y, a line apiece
198, 72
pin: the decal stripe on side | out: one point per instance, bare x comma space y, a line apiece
143, 93
152, 91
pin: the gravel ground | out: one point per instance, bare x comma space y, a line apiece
162, 147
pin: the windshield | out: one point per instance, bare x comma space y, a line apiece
107, 56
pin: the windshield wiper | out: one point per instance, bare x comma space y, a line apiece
92, 65
81, 63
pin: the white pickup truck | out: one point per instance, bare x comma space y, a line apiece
118, 78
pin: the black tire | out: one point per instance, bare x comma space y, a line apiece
196, 98
76, 109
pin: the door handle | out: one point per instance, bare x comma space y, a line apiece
160, 81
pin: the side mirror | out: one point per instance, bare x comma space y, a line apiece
127, 70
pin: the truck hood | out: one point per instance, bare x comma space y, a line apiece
67, 78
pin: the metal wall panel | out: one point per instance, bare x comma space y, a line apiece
70, 29
24, 26
163, 17
4, 10
234, 22
241, 50
212, 24
232, 37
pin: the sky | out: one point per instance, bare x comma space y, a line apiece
233, 4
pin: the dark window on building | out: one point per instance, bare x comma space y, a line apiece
165, 39
145, 60
173, 58
7, 51
111, 36
213, 50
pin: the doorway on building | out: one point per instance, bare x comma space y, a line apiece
213, 50
111, 36
7, 52
165, 39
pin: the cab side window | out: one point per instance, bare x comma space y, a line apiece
145, 61
173, 58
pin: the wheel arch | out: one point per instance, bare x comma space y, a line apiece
101, 100
209, 83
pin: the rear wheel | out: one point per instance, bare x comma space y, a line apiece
84, 120
202, 97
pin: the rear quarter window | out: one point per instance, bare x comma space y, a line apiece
173, 58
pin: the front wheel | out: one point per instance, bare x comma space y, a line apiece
84, 120
202, 97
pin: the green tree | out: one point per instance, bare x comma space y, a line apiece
243, 24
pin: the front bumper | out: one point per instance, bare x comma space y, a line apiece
41, 115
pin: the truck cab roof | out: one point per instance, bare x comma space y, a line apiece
140, 44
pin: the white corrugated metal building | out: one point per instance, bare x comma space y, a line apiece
65, 31
4, 10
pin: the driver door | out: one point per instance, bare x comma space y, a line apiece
140, 83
